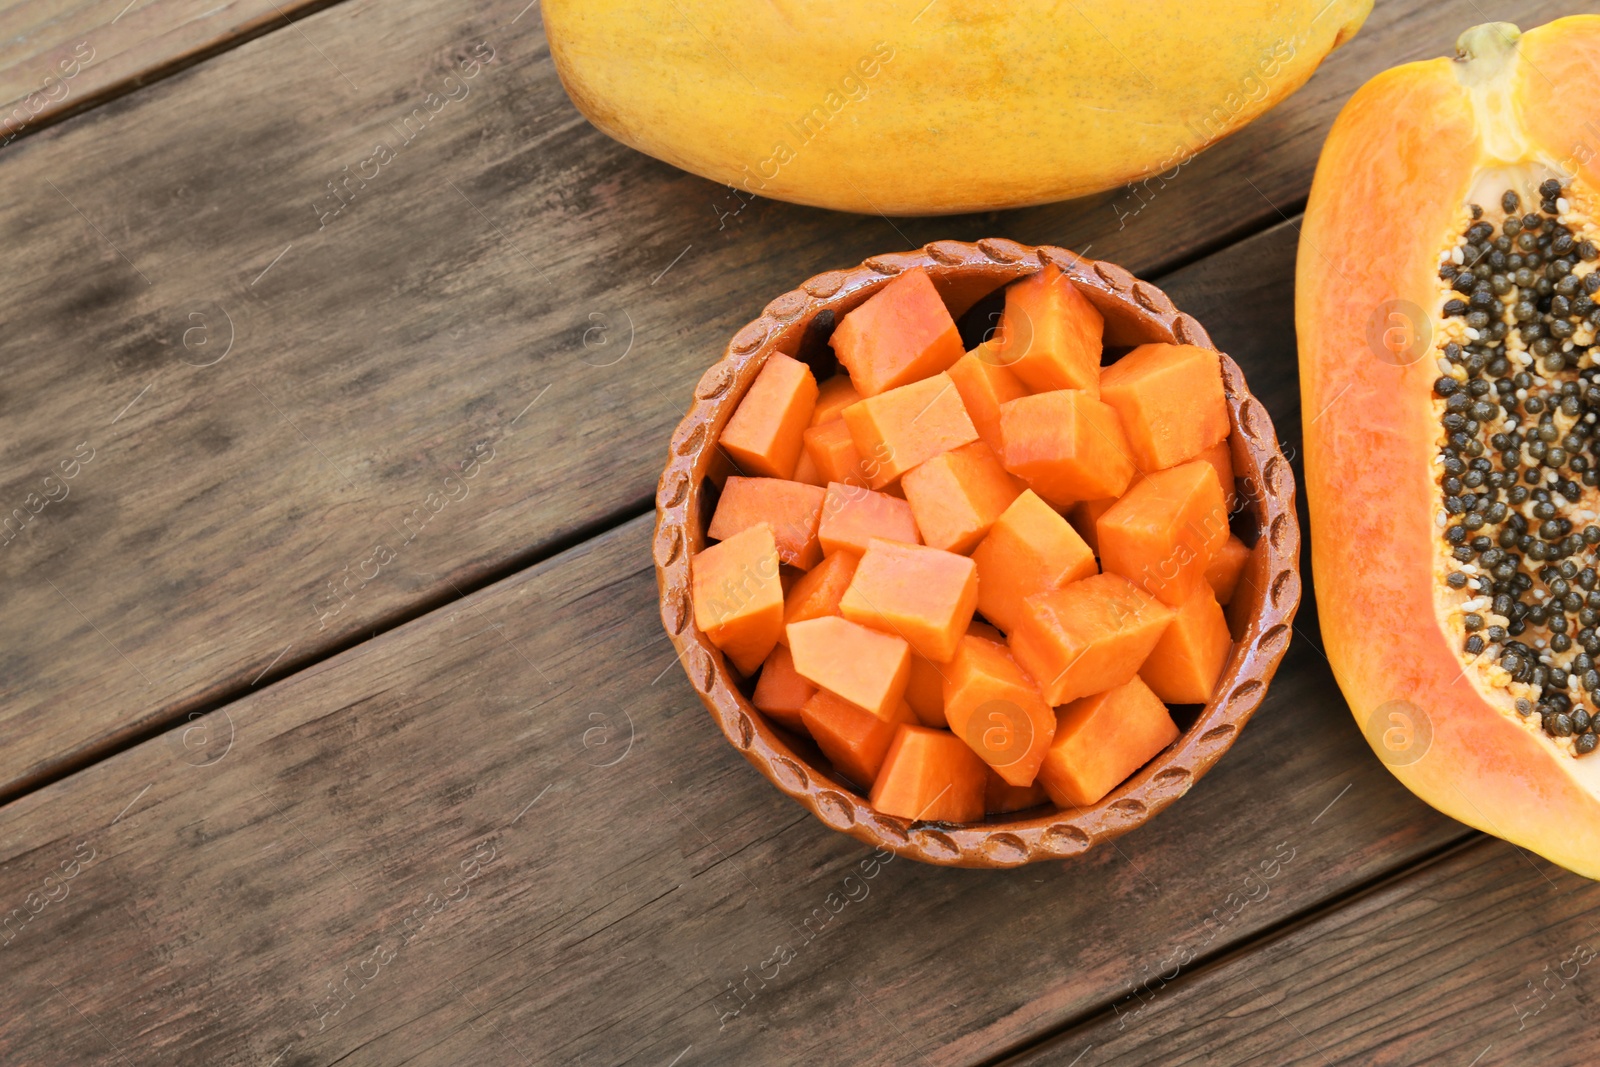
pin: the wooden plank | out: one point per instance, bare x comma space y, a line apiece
229, 887
1484, 958
59, 57
279, 384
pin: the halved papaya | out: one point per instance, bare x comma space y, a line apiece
1446, 312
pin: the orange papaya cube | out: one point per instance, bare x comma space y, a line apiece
1101, 740
925, 595
1222, 573
1029, 549
806, 470
931, 776
818, 590
957, 495
1220, 456
1066, 445
1087, 637
1162, 534
984, 384
833, 396
833, 451
997, 710
1001, 797
780, 691
1184, 666
896, 430
1085, 517
1050, 334
979, 628
865, 667
925, 691
792, 509
853, 515
738, 596
854, 740
1170, 401
901, 334
763, 435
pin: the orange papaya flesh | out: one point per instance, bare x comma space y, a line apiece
992, 705
957, 495
853, 738
1421, 172
1050, 334
833, 396
738, 596
1102, 739
780, 691
901, 334
792, 509
898, 429
924, 595
818, 591
925, 689
1029, 549
1000, 797
1170, 402
863, 666
1066, 445
1223, 572
931, 776
853, 515
984, 384
1184, 666
1087, 637
763, 436
806, 470
1162, 534
1220, 456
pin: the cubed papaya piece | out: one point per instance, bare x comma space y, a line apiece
901, 334
1170, 401
865, 667
1248, 591
984, 384
931, 776
780, 691
763, 435
818, 590
1050, 334
854, 740
1085, 517
833, 396
925, 595
807, 472
738, 596
1066, 445
832, 449
792, 509
853, 515
994, 707
925, 690
1220, 456
1087, 637
1162, 534
1101, 740
1184, 666
1222, 573
898, 429
957, 495
1000, 797
1029, 549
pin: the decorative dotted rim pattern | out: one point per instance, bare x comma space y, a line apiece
1136, 312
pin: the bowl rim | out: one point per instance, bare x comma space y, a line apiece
1045, 832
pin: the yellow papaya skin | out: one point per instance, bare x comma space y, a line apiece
1406, 156
916, 108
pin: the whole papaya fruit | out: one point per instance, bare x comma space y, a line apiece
1447, 304
914, 107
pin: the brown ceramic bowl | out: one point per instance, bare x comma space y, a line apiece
969, 277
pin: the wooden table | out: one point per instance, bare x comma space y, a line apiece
339, 723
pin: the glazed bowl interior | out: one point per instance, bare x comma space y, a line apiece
970, 278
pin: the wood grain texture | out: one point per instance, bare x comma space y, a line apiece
240, 520
1484, 958
234, 881
249, 879
58, 57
